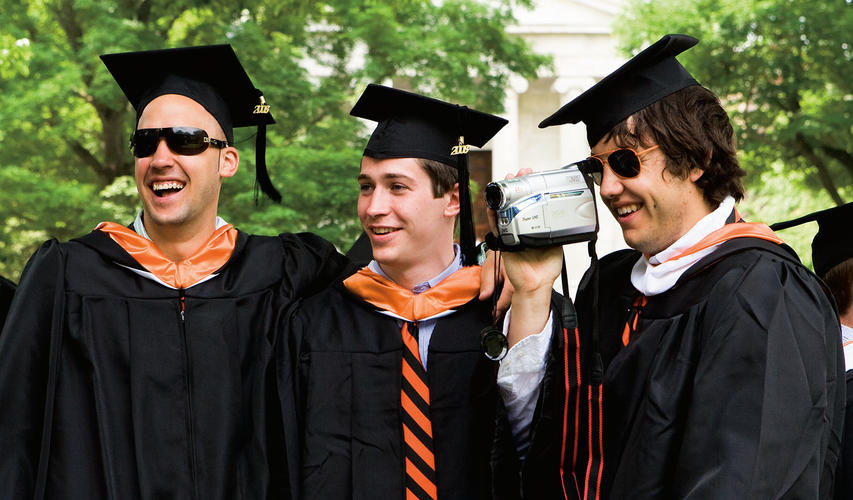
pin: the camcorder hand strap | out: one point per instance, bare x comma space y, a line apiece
495, 243
493, 342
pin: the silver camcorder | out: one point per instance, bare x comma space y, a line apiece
544, 209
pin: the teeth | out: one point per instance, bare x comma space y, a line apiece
627, 209
383, 230
161, 186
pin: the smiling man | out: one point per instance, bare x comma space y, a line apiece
717, 355
137, 362
395, 395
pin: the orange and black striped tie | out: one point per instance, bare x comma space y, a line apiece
417, 427
457, 289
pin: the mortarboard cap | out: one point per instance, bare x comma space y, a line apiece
646, 78
833, 243
210, 75
416, 126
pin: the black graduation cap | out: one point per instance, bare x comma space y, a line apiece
416, 126
833, 243
210, 75
645, 79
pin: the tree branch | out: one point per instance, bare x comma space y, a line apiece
87, 158
823, 173
68, 22
845, 158
143, 12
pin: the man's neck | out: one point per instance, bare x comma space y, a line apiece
177, 242
412, 276
847, 319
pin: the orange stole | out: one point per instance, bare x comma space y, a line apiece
730, 232
208, 259
453, 291
725, 233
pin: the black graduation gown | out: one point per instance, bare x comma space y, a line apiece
348, 360
7, 292
844, 483
109, 391
731, 387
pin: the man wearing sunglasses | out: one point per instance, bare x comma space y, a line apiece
707, 363
138, 361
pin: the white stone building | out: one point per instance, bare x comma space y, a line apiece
577, 34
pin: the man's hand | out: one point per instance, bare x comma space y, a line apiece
532, 274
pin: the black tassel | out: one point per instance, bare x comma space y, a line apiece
262, 177
466, 224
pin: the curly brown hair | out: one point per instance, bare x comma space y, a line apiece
693, 130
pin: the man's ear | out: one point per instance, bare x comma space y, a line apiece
229, 160
695, 174
452, 208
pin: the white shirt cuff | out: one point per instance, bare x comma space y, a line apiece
519, 377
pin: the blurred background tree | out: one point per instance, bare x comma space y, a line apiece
64, 124
784, 70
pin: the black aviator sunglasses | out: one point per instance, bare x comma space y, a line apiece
186, 141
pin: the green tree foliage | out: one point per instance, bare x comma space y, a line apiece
64, 124
784, 71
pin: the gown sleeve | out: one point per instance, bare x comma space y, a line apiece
768, 383
311, 264
519, 377
29, 347
7, 292
537, 473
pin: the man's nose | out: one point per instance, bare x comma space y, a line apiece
379, 202
611, 184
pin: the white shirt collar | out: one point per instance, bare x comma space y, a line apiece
454, 266
657, 274
847, 342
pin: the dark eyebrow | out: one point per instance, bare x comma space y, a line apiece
388, 176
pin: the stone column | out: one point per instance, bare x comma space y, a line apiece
574, 147
505, 150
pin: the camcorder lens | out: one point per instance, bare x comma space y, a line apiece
494, 196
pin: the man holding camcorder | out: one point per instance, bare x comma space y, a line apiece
394, 395
707, 362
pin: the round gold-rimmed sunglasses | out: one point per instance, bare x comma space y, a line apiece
624, 162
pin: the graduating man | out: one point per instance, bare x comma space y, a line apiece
394, 393
138, 361
832, 257
710, 361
